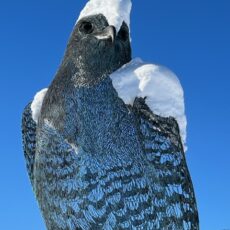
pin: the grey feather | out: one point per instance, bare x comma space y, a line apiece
164, 150
96, 163
29, 140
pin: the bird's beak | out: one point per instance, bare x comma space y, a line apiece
108, 33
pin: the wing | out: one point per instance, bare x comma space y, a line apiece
161, 86
174, 195
29, 124
29, 140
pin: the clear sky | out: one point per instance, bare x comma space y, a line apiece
190, 37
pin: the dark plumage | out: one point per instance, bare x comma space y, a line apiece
95, 162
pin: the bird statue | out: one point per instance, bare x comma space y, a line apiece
104, 144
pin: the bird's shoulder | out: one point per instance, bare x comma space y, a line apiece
142, 79
150, 124
29, 130
159, 86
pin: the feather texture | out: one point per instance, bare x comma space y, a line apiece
161, 87
29, 140
96, 161
174, 194
76, 191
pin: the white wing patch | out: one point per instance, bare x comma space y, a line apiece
37, 104
163, 90
115, 11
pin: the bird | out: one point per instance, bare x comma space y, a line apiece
97, 154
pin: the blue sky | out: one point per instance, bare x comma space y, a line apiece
190, 37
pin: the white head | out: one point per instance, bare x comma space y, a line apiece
115, 11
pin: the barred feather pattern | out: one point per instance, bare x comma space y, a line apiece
29, 140
174, 198
76, 191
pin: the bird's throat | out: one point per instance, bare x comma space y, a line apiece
100, 117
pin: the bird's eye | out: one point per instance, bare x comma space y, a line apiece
123, 34
86, 27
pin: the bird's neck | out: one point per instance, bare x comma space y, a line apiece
87, 113
83, 71
98, 108
94, 118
